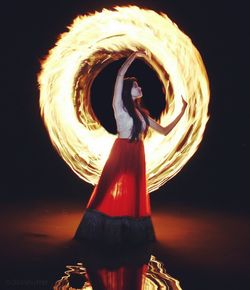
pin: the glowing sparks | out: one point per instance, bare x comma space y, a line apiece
92, 42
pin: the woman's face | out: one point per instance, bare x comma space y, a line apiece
136, 91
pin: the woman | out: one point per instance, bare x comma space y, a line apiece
118, 211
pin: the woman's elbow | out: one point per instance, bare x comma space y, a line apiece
166, 131
120, 73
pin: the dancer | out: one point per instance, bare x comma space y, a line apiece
118, 211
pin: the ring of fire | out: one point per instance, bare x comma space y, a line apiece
92, 42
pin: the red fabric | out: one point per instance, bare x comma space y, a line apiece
121, 190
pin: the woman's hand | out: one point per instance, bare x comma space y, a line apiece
129, 60
140, 53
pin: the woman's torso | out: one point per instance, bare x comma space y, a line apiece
124, 122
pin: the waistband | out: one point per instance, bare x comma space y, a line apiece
128, 140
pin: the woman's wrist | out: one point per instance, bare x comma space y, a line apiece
126, 65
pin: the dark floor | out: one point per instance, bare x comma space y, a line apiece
202, 248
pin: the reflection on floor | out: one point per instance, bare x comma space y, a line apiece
151, 276
203, 249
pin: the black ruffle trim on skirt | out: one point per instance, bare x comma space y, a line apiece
100, 228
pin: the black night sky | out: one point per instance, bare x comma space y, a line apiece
217, 173
215, 178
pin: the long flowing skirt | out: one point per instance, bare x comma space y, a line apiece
118, 210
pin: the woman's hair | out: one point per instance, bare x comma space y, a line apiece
130, 105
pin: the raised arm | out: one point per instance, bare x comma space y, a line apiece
165, 130
117, 98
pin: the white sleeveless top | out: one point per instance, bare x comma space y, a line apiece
124, 122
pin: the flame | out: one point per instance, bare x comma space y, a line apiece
92, 42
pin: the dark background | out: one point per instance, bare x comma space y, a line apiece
215, 177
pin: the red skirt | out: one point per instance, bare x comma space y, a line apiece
119, 207
121, 190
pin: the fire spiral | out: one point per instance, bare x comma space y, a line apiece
92, 42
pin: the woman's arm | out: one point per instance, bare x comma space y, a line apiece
117, 98
165, 130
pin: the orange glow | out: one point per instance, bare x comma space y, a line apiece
92, 42
202, 237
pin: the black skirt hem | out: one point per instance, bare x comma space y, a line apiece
97, 227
